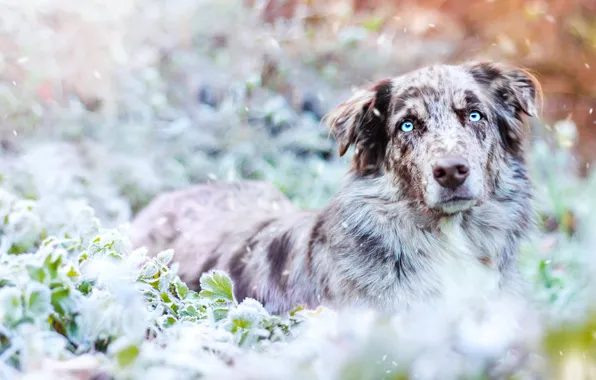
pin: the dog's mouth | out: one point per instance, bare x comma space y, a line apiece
444, 201
456, 203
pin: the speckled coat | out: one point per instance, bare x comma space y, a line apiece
386, 239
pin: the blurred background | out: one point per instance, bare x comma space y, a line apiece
108, 103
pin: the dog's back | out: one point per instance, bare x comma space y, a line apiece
199, 222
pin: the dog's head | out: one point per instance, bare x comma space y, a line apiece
443, 135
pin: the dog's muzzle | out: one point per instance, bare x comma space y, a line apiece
451, 173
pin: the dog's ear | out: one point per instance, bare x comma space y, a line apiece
513, 93
361, 121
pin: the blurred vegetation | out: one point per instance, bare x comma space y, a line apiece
105, 104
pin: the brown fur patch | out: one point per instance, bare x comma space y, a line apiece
277, 255
360, 121
237, 268
209, 264
239, 260
313, 238
486, 260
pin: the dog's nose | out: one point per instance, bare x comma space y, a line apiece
450, 172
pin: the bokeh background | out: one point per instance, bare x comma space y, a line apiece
108, 103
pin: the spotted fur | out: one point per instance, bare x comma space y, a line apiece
390, 237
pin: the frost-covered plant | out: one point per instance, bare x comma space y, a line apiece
88, 293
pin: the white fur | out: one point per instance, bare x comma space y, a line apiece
461, 274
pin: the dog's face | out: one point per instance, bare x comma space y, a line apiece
442, 133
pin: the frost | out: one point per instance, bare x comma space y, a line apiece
92, 294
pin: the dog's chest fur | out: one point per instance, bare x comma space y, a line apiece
463, 269
386, 261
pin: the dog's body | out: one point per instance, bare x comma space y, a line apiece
434, 208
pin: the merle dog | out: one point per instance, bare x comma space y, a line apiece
434, 207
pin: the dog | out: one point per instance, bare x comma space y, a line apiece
434, 206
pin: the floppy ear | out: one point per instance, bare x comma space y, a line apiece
360, 121
513, 92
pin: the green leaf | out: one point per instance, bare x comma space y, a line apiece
220, 313
167, 321
73, 332
127, 355
189, 311
165, 297
373, 24
72, 272
36, 273
84, 256
6, 282
193, 296
216, 286
149, 271
38, 300
85, 287
181, 288
296, 310
52, 263
60, 296
165, 279
243, 323
11, 305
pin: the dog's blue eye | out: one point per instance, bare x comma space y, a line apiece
475, 116
407, 126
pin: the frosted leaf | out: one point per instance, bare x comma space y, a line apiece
165, 257
216, 285
38, 301
11, 306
